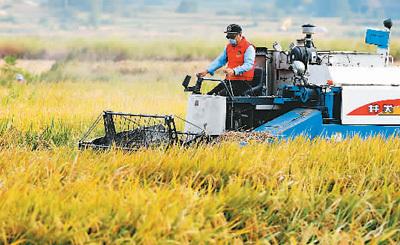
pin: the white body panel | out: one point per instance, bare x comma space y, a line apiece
339, 75
353, 59
318, 74
374, 105
206, 113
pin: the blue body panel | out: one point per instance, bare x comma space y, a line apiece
378, 38
308, 122
293, 123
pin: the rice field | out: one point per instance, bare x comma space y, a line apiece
289, 192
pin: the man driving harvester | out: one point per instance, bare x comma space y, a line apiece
240, 56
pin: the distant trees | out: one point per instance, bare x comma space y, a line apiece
63, 4
66, 9
96, 6
93, 10
187, 6
153, 2
331, 8
354, 8
113, 6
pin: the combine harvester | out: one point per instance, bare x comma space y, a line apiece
302, 91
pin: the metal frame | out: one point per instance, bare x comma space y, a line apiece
109, 140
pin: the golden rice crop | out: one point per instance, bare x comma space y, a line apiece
50, 114
288, 192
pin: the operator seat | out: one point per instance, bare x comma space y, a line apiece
257, 83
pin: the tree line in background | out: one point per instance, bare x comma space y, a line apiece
66, 9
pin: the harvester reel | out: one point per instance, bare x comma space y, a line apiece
134, 131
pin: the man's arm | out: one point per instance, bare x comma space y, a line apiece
219, 62
249, 58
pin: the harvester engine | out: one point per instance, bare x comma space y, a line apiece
304, 50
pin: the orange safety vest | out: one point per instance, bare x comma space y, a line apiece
236, 58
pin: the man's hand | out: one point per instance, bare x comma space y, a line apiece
202, 74
229, 72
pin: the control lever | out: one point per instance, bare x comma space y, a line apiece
196, 88
186, 81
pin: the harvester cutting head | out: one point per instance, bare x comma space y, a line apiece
134, 131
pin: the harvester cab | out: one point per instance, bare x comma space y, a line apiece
301, 91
